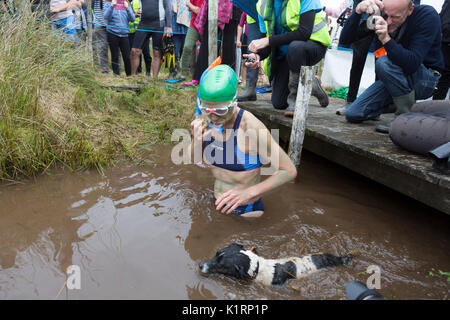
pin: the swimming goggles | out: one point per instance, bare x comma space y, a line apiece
218, 109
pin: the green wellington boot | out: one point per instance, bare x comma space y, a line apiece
319, 93
292, 97
249, 93
403, 104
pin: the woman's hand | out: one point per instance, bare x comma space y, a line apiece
258, 44
230, 200
255, 63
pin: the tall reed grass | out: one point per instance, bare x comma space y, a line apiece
38, 69
55, 108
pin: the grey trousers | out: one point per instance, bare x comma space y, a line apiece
100, 48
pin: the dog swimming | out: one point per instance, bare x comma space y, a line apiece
235, 261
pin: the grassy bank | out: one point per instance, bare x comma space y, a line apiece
55, 110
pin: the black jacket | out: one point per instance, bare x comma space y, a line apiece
445, 20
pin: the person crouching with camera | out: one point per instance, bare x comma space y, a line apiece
409, 59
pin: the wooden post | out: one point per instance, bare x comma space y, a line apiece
300, 114
89, 26
212, 30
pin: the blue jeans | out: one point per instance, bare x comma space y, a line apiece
67, 25
178, 38
393, 83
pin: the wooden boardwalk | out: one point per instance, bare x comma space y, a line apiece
359, 148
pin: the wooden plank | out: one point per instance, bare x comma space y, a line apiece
359, 148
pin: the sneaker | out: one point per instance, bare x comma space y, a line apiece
191, 83
341, 110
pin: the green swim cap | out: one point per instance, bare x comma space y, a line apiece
219, 84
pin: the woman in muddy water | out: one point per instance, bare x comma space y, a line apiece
235, 144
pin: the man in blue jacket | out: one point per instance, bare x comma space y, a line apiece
409, 56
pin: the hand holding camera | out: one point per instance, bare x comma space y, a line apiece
376, 21
372, 7
251, 60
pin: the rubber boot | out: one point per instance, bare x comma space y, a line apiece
318, 92
403, 105
249, 94
292, 97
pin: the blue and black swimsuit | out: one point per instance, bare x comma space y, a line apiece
235, 160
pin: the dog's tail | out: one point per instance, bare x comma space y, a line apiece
326, 260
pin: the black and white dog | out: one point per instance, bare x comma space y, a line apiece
239, 263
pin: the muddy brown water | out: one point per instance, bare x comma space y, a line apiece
139, 232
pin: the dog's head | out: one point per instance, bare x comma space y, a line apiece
232, 261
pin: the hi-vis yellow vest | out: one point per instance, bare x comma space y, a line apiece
290, 19
133, 25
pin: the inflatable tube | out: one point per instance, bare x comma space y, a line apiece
425, 128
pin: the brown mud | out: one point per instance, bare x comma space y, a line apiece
140, 232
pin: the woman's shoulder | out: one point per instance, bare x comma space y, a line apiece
251, 122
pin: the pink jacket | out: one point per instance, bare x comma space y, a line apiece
224, 13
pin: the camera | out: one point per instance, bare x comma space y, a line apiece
251, 60
372, 20
357, 290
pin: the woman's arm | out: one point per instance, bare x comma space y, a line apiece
68, 5
285, 171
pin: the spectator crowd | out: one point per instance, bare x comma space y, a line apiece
410, 42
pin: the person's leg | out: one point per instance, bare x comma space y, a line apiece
404, 89
370, 104
100, 46
157, 52
130, 41
280, 90
190, 42
252, 74
125, 50
360, 52
113, 42
444, 81
304, 53
228, 44
136, 50
202, 59
147, 56
393, 85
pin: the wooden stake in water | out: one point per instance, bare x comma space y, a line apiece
212, 30
300, 114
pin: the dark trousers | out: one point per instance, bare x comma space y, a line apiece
202, 58
300, 53
444, 81
228, 44
360, 51
145, 52
115, 44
